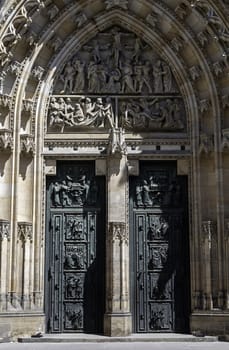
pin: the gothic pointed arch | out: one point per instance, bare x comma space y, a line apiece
96, 79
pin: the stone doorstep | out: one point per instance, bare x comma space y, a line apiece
88, 338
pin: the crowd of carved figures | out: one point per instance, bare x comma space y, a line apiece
80, 192
116, 62
134, 113
150, 192
84, 112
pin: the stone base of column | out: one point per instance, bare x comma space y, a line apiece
117, 324
210, 322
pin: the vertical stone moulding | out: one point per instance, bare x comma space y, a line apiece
226, 261
4, 241
209, 249
25, 237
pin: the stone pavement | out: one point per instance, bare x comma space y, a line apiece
118, 346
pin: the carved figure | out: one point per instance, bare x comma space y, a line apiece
93, 77
64, 198
157, 320
56, 193
117, 48
73, 287
76, 318
145, 194
167, 77
158, 257
68, 77
138, 191
158, 77
80, 77
127, 77
113, 84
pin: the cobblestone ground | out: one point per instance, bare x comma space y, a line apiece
117, 346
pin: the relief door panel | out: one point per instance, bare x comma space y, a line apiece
159, 251
75, 256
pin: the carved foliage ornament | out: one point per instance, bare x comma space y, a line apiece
6, 139
4, 229
118, 232
25, 231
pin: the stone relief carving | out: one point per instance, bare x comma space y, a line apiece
158, 228
74, 192
80, 113
159, 318
151, 192
74, 317
75, 257
75, 229
157, 256
116, 62
74, 286
151, 114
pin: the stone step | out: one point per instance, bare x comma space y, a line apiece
88, 338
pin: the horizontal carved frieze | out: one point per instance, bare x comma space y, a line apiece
165, 113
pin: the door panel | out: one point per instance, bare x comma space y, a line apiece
75, 250
160, 249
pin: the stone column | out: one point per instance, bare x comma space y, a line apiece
4, 262
208, 235
25, 237
117, 321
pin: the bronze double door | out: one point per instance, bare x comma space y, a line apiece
75, 249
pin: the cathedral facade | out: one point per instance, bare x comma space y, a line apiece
114, 167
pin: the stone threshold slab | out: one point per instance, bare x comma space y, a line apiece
88, 338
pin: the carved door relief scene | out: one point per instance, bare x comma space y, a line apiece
160, 249
75, 249
116, 80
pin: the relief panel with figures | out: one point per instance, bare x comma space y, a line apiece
75, 250
159, 249
116, 80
